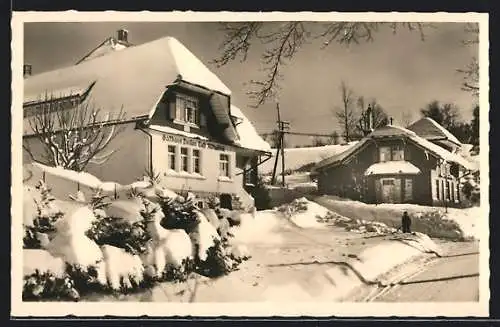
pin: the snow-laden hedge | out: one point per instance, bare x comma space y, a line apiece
123, 246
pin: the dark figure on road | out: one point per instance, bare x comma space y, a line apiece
406, 223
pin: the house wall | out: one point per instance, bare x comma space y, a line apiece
208, 181
127, 164
347, 180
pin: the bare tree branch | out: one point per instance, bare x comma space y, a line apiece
285, 40
72, 136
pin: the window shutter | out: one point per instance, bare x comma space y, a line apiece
203, 119
172, 109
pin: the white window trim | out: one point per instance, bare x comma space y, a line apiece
169, 154
229, 170
178, 172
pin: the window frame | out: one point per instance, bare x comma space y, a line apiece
184, 165
226, 161
172, 157
184, 105
195, 161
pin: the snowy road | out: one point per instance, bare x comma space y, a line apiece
454, 277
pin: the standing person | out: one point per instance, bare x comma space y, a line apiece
406, 222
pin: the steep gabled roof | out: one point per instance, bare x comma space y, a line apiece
430, 130
133, 78
390, 131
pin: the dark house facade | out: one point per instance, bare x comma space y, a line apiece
395, 165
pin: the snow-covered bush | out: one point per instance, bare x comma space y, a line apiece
47, 214
472, 192
115, 231
124, 271
170, 250
435, 224
46, 286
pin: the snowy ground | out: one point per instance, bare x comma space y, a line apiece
293, 259
390, 214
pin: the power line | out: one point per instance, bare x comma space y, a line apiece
297, 133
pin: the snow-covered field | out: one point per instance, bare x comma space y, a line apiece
468, 219
298, 157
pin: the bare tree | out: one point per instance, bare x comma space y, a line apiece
346, 115
406, 118
471, 71
72, 137
284, 40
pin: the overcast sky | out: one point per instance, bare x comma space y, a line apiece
402, 72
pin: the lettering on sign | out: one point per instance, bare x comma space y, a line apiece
191, 142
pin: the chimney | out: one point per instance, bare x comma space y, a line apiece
26, 70
123, 35
390, 121
369, 115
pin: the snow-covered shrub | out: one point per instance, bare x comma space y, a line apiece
47, 214
169, 249
124, 271
472, 192
118, 232
47, 286
434, 224
74, 247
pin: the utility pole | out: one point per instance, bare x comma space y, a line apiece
282, 127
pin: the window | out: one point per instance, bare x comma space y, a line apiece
388, 182
442, 190
249, 173
187, 109
171, 157
385, 153
397, 153
224, 165
196, 161
452, 191
391, 153
184, 159
437, 189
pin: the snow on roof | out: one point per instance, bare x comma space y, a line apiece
170, 130
109, 45
392, 167
428, 128
192, 69
391, 131
249, 138
133, 78
75, 90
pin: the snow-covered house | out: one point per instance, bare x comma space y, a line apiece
179, 119
430, 130
396, 165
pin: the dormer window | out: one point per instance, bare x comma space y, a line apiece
187, 109
391, 153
